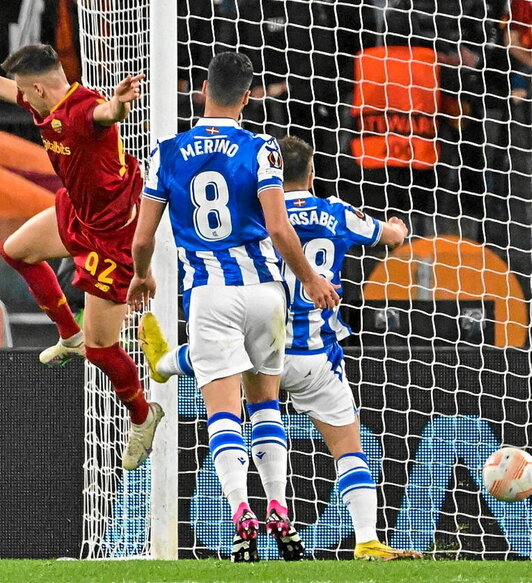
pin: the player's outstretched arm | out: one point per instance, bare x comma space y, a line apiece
322, 292
119, 106
394, 232
143, 286
8, 90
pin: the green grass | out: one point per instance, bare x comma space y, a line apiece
212, 571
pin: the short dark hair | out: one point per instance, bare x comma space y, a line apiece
230, 75
297, 158
32, 60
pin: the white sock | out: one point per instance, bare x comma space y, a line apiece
235, 498
146, 421
230, 456
74, 340
176, 362
269, 448
359, 493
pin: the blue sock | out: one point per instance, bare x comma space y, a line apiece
176, 361
183, 360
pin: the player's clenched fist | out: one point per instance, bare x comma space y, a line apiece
394, 232
399, 225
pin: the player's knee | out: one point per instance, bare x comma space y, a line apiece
9, 253
12, 249
5, 250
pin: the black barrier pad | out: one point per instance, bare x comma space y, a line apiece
41, 457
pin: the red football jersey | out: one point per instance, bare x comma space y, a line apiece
103, 182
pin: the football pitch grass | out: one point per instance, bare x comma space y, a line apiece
213, 571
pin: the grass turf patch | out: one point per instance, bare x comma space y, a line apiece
213, 571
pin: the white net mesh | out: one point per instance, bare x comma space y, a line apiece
116, 503
415, 108
114, 43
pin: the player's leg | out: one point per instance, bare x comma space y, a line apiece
103, 320
26, 251
269, 449
265, 340
231, 460
268, 435
319, 388
358, 490
355, 483
218, 356
162, 360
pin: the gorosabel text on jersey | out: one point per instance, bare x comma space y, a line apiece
307, 217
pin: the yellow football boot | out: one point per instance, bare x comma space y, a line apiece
153, 344
374, 550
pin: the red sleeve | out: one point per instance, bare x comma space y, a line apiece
82, 117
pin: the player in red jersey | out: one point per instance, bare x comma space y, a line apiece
94, 220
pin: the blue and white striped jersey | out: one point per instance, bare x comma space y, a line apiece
328, 228
211, 177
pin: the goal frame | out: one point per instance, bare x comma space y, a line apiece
163, 121
150, 510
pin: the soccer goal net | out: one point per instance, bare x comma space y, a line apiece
415, 108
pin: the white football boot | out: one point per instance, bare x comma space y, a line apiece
60, 354
140, 440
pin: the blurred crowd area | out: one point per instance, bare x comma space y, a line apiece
415, 108
304, 55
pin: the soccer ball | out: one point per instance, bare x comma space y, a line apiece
507, 474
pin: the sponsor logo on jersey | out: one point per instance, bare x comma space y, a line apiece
219, 146
56, 125
56, 147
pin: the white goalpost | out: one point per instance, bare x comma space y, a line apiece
132, 37
163, 121
411, 112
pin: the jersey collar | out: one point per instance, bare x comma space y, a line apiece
73, 87
293, 194
218, 121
